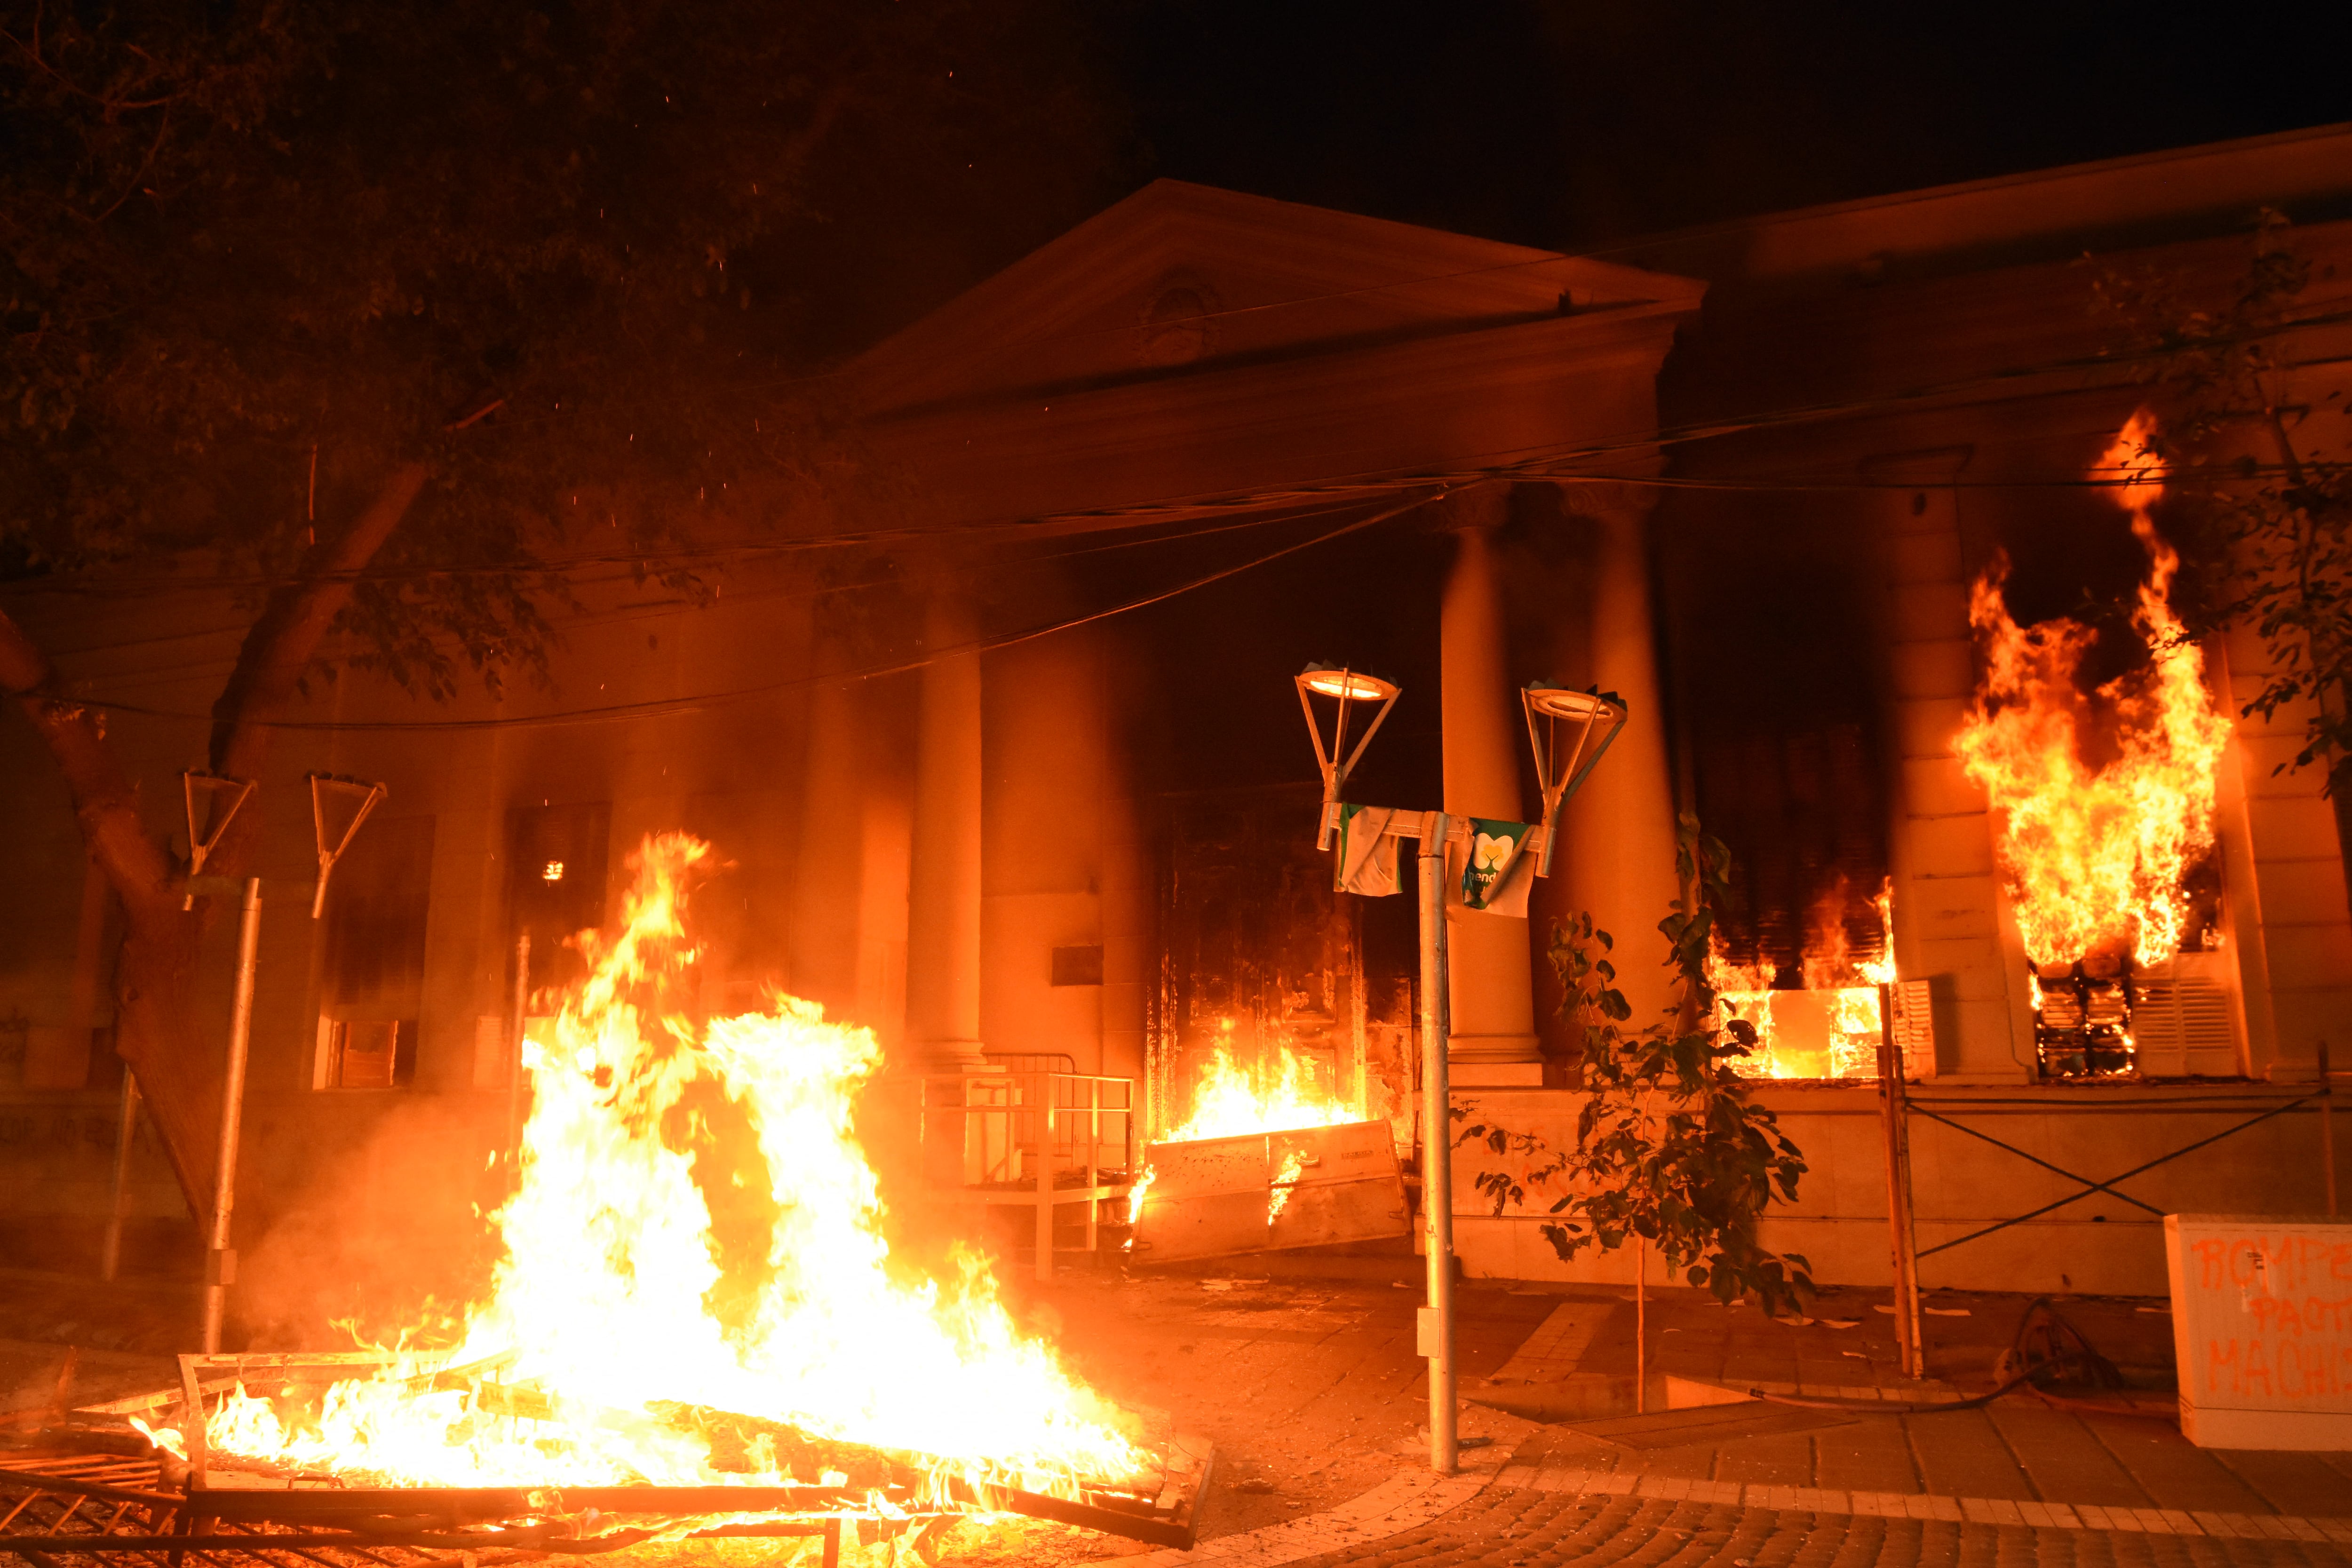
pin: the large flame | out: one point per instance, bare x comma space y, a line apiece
615, 1299
1280, 1094
2094, 857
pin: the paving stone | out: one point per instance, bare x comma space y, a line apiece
1867, 1455
2062, 1457
1961, 1454
1519, 1527
2173, 1472
2292, 1483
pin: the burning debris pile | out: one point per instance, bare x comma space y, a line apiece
622, 1343
2098, 858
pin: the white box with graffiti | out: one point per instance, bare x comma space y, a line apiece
2261, 1324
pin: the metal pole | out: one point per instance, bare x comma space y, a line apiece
126, 1129
2327, 1127
514, 1057
1902, 1243
1640, 1326
1436, 1325
1045, 1123
1910, 1221
220, 1263
1898, 1296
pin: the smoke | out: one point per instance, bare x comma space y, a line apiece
385, 1238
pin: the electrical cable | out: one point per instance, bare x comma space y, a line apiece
649, 610
2045, 1344
1521, 462
544, 568
811, 378
669, 707
1526, 466
1891, 1406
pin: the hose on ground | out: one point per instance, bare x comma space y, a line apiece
2044, 1345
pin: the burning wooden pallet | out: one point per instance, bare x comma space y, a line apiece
207, 1504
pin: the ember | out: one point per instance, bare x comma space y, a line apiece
604, 1327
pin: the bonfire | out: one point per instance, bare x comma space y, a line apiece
619, 1343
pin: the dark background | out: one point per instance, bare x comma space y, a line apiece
1565, 124
1568, 123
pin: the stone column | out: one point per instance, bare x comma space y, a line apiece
1491, 981
1617, 835
829, 873
943, 888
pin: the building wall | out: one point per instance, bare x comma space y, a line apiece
1047, 812
1950, 923
2293, 923
1962, 1183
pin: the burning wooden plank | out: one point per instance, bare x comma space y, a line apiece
851, 1480
863, 1394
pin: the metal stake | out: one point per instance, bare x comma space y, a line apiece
1641, 1325
1902, 1243
1044, 1083
220, 1263
126, 1129
514, 1057
2326, 1130
1436, 1335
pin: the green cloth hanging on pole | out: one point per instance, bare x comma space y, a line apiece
1497, 871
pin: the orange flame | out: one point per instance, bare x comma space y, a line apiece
1831, 1027
604, 1299
1281, 1094
2095, 857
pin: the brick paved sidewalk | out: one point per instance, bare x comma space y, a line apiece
1522, 1527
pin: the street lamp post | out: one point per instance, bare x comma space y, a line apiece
1561, 726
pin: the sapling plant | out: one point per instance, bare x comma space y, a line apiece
1672, 1152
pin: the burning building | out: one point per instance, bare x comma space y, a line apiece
1821, 495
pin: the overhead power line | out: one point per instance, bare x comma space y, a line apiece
668, 706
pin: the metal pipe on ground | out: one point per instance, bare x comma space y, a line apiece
2326, 1130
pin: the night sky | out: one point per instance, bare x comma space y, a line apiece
1567, 123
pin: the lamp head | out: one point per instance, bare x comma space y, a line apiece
1348, 688
1559, 702
1563, 757
1325, 681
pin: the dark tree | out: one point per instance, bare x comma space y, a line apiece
397, 321
2257, 434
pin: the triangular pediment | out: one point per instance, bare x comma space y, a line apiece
1180, 278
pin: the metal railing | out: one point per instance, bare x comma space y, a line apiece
1035, 1139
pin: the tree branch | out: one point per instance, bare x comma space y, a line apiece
285, 636
104, 800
